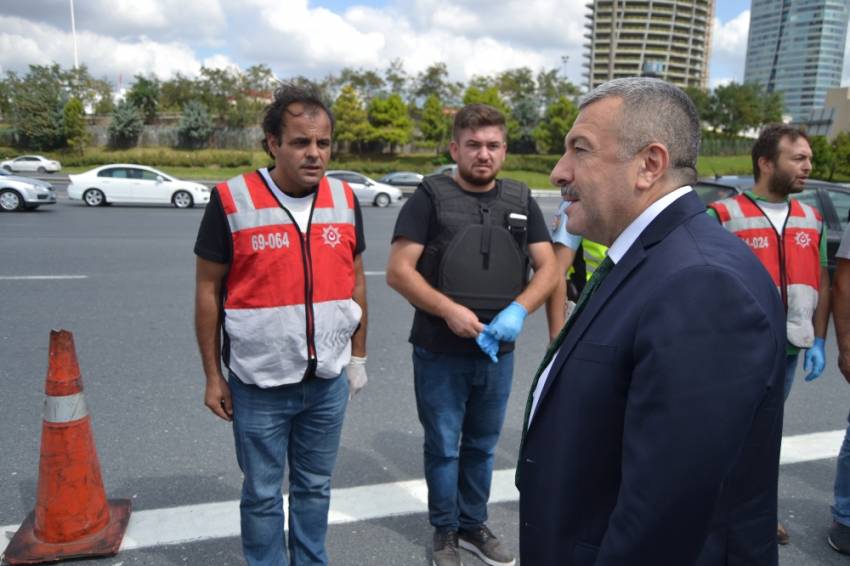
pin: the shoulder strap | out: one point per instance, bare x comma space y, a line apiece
516, 193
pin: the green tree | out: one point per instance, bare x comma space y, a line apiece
396, 78
435, 124
390, 122
104, 103
74, 121
144, 95
702, 101
551, 87
37, 102
474, 95
737, 107
435, 80
176, 92
218, 87
126, 125
841, 152
823, 158
556, 122
195, 126
352, 123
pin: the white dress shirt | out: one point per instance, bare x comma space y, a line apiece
616, 252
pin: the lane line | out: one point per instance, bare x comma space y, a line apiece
192, 523
40, 277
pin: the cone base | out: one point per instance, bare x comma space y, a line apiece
26, 548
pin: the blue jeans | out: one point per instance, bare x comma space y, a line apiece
461, 401
301, 424
790, 370
841, 505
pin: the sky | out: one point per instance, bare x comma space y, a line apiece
118, 39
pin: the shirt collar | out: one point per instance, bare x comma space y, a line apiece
628, 236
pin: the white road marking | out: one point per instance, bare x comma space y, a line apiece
374, 273
40, 277
192, 523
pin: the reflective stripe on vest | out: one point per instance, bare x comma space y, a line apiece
794, 266
288, 299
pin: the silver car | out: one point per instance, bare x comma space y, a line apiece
367, 190
23, 193
31, 164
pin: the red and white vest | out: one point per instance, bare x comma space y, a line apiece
794, 265
288, 305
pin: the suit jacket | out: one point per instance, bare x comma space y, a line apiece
656, 438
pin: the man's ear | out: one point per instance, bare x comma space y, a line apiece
765, 166
654, 164
273, 143
453, 150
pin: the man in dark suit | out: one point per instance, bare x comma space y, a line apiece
654, 422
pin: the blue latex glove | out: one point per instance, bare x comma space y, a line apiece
488, 344
508, 323
560, 235
814, 360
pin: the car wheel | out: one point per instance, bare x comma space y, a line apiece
182, 199
382, 200
10, 200
94, 197
41, 170
8, 168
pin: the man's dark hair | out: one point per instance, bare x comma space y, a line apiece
475, 116
285, 95
768, 143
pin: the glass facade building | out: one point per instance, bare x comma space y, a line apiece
796, 47
669, 39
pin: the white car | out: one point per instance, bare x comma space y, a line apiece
127, 183
32, 164
23, 193
367, 190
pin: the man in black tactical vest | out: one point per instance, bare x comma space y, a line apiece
461, 253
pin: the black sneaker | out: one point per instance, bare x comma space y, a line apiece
484, 544
839, 538
446, 552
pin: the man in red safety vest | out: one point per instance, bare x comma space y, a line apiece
281, 298
786, 234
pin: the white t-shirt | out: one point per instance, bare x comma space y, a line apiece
777, 212
299, 207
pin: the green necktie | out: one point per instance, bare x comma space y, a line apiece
592, 284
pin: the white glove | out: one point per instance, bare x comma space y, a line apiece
356, 373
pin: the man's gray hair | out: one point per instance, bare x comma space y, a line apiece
654, 111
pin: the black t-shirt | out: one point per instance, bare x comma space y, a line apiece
417, 222
214, 242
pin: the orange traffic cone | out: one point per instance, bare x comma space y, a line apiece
72, 517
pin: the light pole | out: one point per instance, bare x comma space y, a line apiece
74, 34
564, 59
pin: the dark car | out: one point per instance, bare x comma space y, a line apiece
709, 191
402, 179
831, 199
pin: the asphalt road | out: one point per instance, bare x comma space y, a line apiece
158, 445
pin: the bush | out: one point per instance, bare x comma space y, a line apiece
195, 127
126, 126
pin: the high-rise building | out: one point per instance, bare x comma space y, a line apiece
796, 47
669, 39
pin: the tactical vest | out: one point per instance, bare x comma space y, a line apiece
792, 258
288, 307
479, 257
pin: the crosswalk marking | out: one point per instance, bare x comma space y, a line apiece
192, 523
